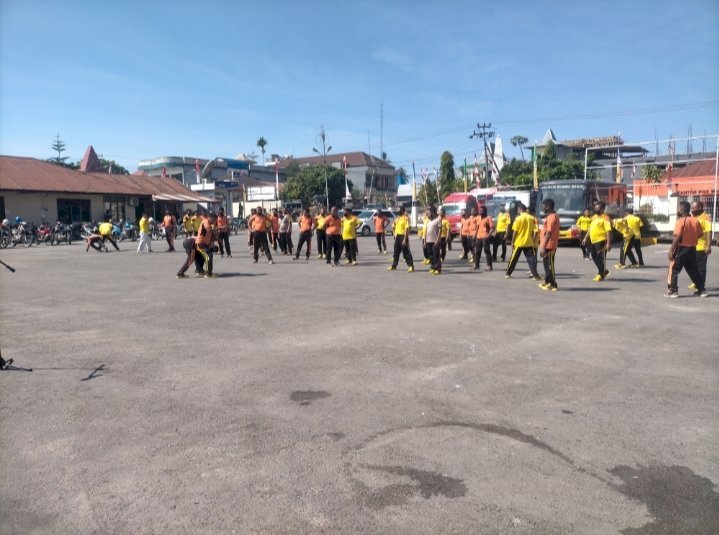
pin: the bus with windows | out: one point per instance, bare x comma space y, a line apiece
572, 197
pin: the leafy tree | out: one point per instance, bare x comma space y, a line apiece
519, 141
427, 196
516, 173
446, 174
58, 146
402, 174
292, 169
112, 165
262, 143
651, 173
310, 182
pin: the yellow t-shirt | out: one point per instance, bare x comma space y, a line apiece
444, 231
622, 225
583, 223
524, 228
349, 227
599, 230
105, 229
707, 228
423, 230
144, 225
635, 224
320, 222
196, 222
401, 225
187, 223
502, 222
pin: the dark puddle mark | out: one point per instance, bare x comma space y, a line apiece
95, 373
305, 397
565, 411
334, 436
679, 500
426, 484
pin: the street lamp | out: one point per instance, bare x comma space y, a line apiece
325, 150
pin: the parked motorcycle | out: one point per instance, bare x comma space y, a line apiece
61, 233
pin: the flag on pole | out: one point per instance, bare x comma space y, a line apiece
535, 171
164, 172
465, 175
347, 187
277, 180
414, 184
619, 167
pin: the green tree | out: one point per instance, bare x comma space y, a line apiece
262, 143
651, 173
427, 195
402, 174
516, 173
446, 175
310, 182
59, 146
519, 141
113, 166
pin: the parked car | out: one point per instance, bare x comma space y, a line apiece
367, 226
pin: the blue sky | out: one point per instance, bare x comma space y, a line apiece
145, 79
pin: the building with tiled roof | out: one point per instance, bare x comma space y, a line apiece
35, 190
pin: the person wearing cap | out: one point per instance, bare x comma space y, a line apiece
380, 227
400, 229
145, 242
349, 236
223, 233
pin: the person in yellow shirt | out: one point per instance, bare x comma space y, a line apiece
500, 235
524, 230
622, 226
400, 229
320, 232
423, 236
105, 230
443, 233
599, 237
187, 223
635, 225
583, 225
349, 236
144, 227
704, 244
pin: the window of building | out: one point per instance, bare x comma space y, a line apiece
73, 210
114, 207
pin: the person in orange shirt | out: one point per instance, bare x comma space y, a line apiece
483, 241
333, 230
380, 227
258, 227
306, 223
275, 228
169, 223
548, 244
223, 233
472, 229
683, 252
464, 234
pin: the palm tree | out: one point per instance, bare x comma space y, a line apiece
262, 143
519, 141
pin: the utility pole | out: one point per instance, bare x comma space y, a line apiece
325, 150
484, 133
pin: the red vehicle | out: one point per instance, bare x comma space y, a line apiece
453, 205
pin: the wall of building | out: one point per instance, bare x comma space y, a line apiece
38, 206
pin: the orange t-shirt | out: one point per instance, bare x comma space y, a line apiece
223, 224
484, 227
550, 232
333, 226
305, 223
464, 227
258, 223
275, 224
380, 224
690, 230
168, 221
473, 225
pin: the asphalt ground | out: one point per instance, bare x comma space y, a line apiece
297, 398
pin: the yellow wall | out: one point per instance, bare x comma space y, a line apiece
36, 206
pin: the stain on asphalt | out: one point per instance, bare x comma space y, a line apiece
426, 484
679, 500
565, 411
305, 397
97, 372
